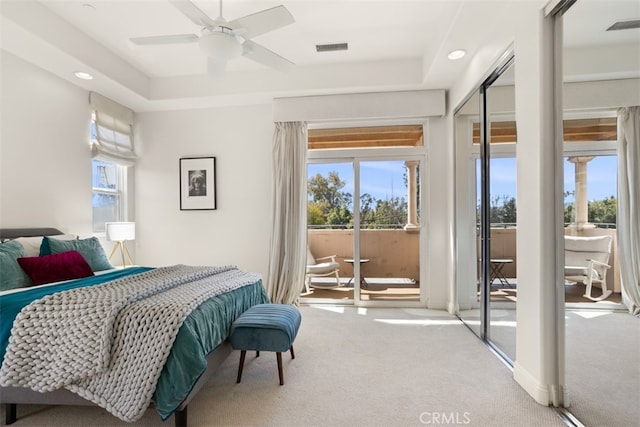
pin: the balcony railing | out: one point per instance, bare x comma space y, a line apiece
391, 253
394, 253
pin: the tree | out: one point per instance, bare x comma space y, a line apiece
340, 217
509, 211
569, 214
569, 210
598, 211
367, 209
390, 213
314, 214
503, 210
328, 205
603, 211
328, 190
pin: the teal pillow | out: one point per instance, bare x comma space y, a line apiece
90, 249
11, 274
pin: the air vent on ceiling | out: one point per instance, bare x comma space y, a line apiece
625, 25
332, 47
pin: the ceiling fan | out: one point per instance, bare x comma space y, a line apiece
223, 40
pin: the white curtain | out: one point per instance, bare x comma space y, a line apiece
629, 206
287, 257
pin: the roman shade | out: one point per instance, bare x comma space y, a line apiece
112, 137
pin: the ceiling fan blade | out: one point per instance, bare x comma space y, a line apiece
194, 13
266, 57
215, 67
262, 22
170, 39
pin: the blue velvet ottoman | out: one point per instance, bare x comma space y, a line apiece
266, 327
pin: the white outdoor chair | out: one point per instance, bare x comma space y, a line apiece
586, 261
329, 267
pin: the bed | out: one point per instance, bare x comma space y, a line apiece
110, 345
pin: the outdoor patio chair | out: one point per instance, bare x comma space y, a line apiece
586, 261
329, 267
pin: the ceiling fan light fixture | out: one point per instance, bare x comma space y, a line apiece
220, 45
221, 40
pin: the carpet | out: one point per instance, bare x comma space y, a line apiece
353, 367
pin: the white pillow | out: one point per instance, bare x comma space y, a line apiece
31, 245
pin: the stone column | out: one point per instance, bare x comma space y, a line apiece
582, 202
412, 206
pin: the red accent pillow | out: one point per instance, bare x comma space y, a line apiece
55, 268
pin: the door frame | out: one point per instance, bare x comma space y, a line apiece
355, 156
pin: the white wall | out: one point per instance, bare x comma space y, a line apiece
440, 209
45, 161
45, 171
239, 231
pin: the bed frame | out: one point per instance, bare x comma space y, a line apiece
12, 396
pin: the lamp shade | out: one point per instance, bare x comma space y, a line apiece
120, 231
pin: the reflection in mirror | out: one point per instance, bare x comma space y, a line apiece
502, 285
467, 122
601, 73
486, 233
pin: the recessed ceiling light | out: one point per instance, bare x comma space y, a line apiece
82, 75
456, 54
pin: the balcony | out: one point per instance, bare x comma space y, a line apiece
393, 270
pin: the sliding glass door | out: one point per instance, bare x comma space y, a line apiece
499, 212
486, 217
365, 212
330, 216
389, 232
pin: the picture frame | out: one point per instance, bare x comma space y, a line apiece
197, 183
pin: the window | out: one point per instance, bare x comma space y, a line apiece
108, 193
113, 153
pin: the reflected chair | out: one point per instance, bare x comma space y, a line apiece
328, 267
586, 261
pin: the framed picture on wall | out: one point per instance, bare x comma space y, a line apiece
197, 183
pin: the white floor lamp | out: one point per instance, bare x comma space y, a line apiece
120, 232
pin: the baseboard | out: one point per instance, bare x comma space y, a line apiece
539, 392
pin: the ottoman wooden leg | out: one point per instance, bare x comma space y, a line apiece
293, 356
280, 373
243, 353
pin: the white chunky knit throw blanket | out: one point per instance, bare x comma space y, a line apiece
108, 343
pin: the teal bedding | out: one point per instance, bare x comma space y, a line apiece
203, 330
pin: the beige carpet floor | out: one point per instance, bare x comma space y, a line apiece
603, 367
602, 361
353, 367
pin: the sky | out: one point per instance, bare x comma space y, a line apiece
601, 177
380, 179
385, 179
